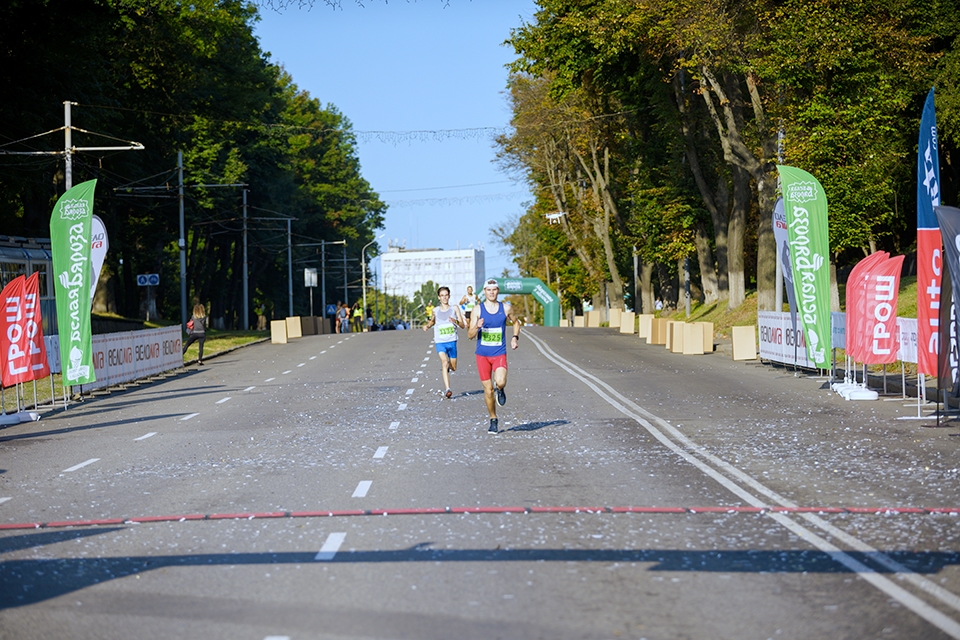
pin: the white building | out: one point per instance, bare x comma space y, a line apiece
404, 271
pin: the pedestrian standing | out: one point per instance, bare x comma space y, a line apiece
357, 317
197, 330
343, 312
488, 324
445, 319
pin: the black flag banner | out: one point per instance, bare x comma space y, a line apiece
949, 220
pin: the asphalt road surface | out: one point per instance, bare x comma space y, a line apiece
326, 489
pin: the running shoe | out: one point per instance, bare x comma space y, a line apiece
448, 393
501, 396
494, 426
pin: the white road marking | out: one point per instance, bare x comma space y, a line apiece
188, 416
286, 372
402, 407
409, 391
394, 425
362, 488
269, 379
686, 446
331, 546
81, 465
422, 366
222, 400
301, 364
426, 359
415, 380
313, 357
148, 435
250, 388
340, 341
323, 352
277, 638
381, 451
2, 500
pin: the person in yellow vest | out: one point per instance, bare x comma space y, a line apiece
357, 317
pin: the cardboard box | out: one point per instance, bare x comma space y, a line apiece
745, 342
278, 331
578, 321
658, 331
675, 336
627, 322
594, 318
707, 336
293, 327
308, 325
644, 324
613, 317
692, 339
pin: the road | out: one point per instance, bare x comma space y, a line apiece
325, 489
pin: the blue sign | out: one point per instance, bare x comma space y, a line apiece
148, 279
331, 309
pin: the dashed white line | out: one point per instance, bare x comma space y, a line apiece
394, 425
2, 500
313, 357
250, 388
323, 352
222, 400
301, 364
415, 380
362, 489
188, 416
277, 638
402, 407
409, 391
145, 436
381, 451
269, 379
81, 465
426, 359
331, 546
286, 372
422, 366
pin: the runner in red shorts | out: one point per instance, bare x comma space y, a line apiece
488, 323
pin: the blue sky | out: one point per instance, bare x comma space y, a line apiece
426, 66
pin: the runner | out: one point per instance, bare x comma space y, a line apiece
468, 302
490, 320
446, 319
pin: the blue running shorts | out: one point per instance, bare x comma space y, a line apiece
449, 348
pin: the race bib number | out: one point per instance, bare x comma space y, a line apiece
492, 337
447, 330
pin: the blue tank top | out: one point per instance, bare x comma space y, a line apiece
491, 340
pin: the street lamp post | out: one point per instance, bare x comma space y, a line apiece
363, 262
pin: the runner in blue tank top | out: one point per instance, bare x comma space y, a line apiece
488, 324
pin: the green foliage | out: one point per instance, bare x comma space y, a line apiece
191, 77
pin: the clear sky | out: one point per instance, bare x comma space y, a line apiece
430, 74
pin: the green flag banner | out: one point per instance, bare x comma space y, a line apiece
70, 245
806, 210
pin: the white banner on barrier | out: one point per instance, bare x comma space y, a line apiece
121, 357
776, 338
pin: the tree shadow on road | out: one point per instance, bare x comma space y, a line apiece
534, 426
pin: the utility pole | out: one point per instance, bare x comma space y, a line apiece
246, 287
182, 244
289, 270
67, 146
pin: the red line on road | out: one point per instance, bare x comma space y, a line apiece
426, 511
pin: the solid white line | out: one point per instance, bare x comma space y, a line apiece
394, 425
362, 488
222, 400
402, 407
286, 372
81, 465
269, 379
409, 391
149, 435
188, 416
2, 500
277, 638
250, 388
331, 546
381, 451
641, 415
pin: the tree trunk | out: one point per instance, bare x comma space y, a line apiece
708, 275
646, 287
668, 287
736, 235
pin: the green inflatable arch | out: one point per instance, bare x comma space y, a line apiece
540, 291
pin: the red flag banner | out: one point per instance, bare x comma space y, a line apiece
882, 292
39, 365
857, 316
11, 332
21, 332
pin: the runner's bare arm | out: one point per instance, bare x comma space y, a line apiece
515, 321
475, 323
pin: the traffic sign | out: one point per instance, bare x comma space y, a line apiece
331, 309
148, 279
